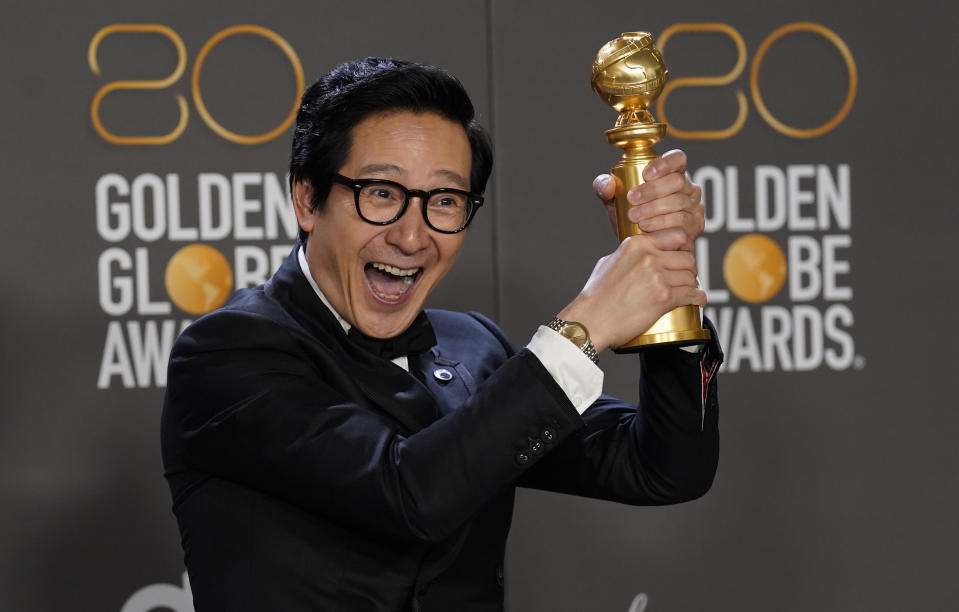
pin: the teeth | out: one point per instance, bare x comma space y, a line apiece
408, 282
409, 272
408, 276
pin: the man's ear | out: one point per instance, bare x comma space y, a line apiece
302, 205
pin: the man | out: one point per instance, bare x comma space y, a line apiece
330, 446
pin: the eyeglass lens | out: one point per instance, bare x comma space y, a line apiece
382, 202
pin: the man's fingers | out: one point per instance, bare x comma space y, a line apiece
680, 261
649, 256
682, 220
671, 239
668, 184
681, 278
676, 202
605, 187
692, 297
670, 206
671, 161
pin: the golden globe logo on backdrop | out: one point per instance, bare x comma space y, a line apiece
774, 257
807, 211
144, 214
176, 246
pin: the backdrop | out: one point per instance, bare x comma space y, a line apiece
144, 163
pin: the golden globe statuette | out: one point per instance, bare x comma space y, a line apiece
629, 74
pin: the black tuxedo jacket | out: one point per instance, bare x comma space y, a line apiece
308, 474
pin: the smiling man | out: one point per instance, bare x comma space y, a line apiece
330, 445
374, 268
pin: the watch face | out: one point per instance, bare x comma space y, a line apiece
576, 334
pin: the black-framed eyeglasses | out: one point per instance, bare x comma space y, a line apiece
382, 202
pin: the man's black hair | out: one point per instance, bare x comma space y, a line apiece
351, 92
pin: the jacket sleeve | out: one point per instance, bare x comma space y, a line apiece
246, 402
665, 450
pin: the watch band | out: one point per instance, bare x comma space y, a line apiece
584, 343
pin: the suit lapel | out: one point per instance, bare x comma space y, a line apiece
386, 385
448, 381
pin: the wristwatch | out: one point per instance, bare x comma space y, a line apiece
575, 333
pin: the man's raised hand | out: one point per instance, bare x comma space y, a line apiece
667, 207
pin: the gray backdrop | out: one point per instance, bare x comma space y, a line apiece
836, 488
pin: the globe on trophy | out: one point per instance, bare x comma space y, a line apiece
629, 74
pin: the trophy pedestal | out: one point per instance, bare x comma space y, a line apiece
679, 327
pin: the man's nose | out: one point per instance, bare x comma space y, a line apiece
410, 233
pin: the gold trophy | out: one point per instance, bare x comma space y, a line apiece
629, 74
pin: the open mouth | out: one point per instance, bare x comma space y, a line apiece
389, 284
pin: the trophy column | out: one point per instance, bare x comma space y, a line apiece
629, 74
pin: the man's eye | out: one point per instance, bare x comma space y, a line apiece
448, 200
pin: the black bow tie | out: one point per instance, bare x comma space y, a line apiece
415, 339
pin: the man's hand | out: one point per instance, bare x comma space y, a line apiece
631, 288
667, 207
650, 274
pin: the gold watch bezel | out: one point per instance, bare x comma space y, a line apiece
576, 333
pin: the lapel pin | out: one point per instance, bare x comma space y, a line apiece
442, 375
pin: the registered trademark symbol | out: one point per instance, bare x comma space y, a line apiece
859, 362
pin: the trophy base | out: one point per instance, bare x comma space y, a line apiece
679, 327
689, 337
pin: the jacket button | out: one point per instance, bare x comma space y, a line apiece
548, 435
536, 447
522, 458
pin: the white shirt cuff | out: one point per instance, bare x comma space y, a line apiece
575, 373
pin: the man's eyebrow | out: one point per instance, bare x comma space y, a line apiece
450, 175
382, 169
455, 177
